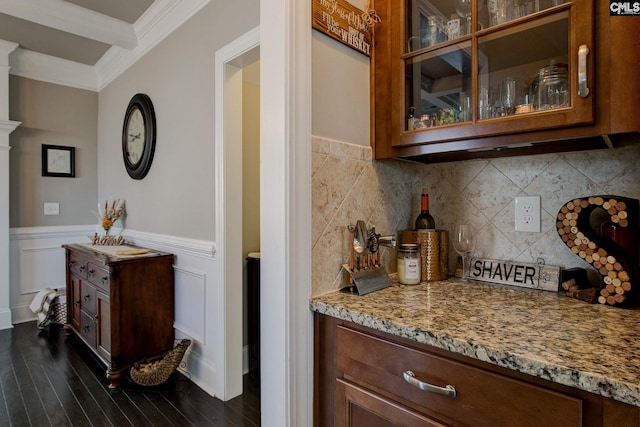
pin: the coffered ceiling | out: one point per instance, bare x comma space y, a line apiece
86, 43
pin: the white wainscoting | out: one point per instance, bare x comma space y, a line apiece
37, 262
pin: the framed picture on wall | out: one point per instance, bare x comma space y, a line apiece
58, 161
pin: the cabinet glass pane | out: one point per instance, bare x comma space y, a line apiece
496, 12
430, 22
437, 87
517, 76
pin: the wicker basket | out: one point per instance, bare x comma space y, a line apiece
156, 371
434, 252
58, 314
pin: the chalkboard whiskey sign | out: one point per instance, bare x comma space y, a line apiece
344, 22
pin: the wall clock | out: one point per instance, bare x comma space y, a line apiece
139, 136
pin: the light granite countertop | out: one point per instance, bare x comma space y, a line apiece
592, 347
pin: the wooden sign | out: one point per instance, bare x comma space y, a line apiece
344, 22
535, 276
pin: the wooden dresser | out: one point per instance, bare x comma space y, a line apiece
122, 308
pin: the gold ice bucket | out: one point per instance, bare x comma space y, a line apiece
434, 252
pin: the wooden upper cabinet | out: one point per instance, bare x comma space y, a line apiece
456, 79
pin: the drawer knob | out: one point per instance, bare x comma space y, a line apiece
87, 297
448, 390
105, 279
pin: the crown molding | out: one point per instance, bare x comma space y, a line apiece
160, 20
5, 49
51, 69
8, 126
73, 19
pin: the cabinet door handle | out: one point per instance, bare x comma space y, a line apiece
448, 390
87, 297
91, 272
583, 90
105, 279
82, 268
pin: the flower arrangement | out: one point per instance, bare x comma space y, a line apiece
111, 213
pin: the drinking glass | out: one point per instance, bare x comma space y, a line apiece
463, 243
498, 11
508, 92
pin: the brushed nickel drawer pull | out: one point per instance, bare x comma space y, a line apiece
583, 90
448, 390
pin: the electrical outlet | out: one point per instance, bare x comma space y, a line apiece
527, 214
51, 208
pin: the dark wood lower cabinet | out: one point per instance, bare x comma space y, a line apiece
358, 407
122, 308
360, 381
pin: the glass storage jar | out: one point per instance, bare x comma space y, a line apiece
553, 87
409, 264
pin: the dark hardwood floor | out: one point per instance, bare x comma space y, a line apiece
49, 379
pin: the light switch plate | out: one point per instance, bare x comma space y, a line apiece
51, 208
527, 214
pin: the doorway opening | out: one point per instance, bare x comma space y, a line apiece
237, 151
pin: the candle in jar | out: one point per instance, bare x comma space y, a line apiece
408, 264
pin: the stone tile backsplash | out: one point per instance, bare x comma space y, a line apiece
347, 185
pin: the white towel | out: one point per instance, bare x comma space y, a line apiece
41, 305
38, 300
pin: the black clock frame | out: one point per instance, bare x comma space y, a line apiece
142, 102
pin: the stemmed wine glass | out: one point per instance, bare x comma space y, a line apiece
464, 10
463, 243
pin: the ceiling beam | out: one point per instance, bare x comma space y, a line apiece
73, 19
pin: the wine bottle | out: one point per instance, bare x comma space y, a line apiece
411, 121
425, 221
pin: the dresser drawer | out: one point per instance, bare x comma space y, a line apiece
98, 276
88, 301
88, 328
78, 265
480, 396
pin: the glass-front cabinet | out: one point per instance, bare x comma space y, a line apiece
463, 70
497, 65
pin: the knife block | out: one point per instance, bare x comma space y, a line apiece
367, 280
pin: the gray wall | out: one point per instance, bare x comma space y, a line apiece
55, 115
340, 84
177, 196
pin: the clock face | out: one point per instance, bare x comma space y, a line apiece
139, 136
135, 136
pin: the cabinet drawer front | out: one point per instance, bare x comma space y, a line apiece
78, 265
356, 407
482, 398
88, 298
88, 328
98, 276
